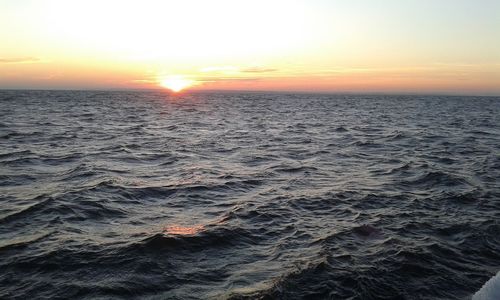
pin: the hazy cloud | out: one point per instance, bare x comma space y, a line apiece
218, 79
233, 69
20, 60
143, 80
258, 70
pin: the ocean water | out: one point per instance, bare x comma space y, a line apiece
145, 195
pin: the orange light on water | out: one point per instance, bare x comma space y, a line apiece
176, 229
183, 230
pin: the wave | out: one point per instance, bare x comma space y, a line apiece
437, 178
16, 154
25, 241
40, 203
210, 236
267, 196
291, 169
341, 129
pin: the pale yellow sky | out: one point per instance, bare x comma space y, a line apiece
401, 46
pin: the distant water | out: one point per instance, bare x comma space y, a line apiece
247, 196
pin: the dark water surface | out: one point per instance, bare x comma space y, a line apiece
274, 196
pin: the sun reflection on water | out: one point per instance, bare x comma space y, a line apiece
177, 229
183, 230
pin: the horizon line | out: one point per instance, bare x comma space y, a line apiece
196, 91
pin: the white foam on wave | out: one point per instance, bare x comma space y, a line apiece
490, 290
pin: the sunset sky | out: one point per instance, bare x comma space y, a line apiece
400, 46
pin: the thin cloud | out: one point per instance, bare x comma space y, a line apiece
218, 79
259, 70
143, 81
435, 67
233, 69
20, 60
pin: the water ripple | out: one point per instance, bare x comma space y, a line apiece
110, 195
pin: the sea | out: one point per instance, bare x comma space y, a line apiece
240, 195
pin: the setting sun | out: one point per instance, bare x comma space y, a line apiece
176, 83
250, 149
280, 45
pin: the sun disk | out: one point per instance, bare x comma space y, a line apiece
176, 83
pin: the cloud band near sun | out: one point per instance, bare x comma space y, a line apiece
20, 60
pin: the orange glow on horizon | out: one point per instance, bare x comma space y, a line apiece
327, 46
176, 83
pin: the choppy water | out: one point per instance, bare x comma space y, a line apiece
267, 196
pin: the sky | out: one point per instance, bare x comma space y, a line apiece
387, 46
